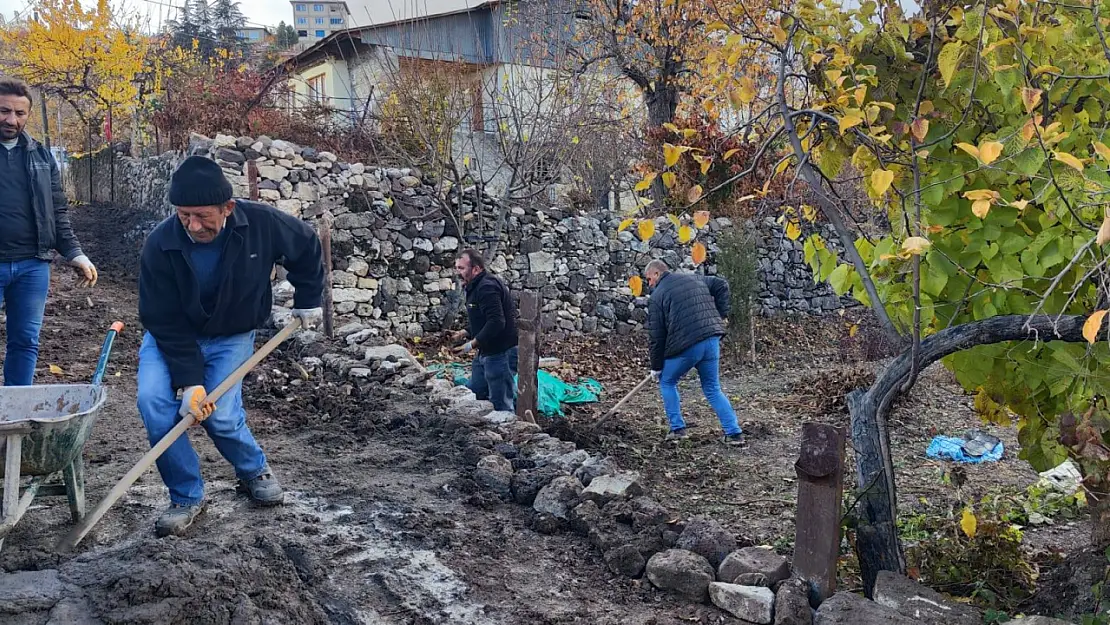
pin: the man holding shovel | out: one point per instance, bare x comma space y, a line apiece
686, 319
204, 286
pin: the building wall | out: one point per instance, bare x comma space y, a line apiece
309, 30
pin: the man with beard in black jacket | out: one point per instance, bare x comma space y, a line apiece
686, 319
491, 326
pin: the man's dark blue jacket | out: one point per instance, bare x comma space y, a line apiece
490, 314
684, 309
169, 293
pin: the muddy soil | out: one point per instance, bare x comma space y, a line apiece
381, 525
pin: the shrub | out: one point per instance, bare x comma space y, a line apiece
738, 263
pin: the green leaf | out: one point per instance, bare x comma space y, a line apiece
933, 280
949, 59
1008, 79
838, 279
1029, 161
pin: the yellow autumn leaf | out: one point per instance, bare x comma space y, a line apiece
968, 523
670, 127
668, 179
636, 283
849, 121
56, 370
705, 162
1103, 232
694, 194
920, 128
916, 245
1068, 160
645, 184
860, 95
793, 231
1103, 151
671, 153
809, 212
747, 90
671, 217
989, 151
625, 224
779, 34
1092, 325
701, 219
1020, 204
730, 153
970, 149
880, 180
685, 234
1030, 98
646, 229
698, 253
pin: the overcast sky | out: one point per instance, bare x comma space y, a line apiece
270, 12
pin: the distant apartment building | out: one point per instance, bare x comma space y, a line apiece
316, 20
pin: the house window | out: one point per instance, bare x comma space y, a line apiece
542, 172
321, 34
316, 91
319, 8
337, 21
302, 33
302, 20
301, 7
319, 21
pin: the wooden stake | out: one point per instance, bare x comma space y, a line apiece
820, 469
323, 227
252, 180
528, 324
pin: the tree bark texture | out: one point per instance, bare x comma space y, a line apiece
877, 543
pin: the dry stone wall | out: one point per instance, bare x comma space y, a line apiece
393, 248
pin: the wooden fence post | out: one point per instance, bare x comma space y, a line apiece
820, 469
252, 179
528, 324
324, 229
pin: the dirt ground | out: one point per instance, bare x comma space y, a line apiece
382, 523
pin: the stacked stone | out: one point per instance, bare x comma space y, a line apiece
393, 250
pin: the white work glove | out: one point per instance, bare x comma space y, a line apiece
655, 375
465, 348
86, 271
310, 317
194, 402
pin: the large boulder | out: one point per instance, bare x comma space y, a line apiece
606, 488
924, 604
845, 608
559, 497
707, 538
682, 572
495, 472
755, 562
751, 604
625, 560
527, 483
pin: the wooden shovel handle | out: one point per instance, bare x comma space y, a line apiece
614, 409
82, 528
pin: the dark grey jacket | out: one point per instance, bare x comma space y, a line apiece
684, 309
49, 203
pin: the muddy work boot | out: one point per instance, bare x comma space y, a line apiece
264, 489
734, 440
677, 435
177, 519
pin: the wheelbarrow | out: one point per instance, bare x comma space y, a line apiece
43, 431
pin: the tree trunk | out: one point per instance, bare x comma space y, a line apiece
1100, 520
662, 102
877, 544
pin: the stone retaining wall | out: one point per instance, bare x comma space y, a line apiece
394, 247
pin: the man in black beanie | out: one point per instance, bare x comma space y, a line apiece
204, 286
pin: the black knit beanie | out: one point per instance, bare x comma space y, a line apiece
199, 181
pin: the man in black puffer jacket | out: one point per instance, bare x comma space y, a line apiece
686, 319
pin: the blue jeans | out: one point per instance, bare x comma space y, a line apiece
491, 377
704, 357
23, 287
227, 427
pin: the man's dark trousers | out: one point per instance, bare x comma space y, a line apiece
491, 377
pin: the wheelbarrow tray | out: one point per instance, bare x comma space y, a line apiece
56, 420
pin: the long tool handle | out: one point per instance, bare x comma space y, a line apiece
105, 352
614, 409
81, 529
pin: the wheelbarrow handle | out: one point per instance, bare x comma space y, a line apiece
105, 351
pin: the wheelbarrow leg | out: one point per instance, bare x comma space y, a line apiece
74, 477
12, 458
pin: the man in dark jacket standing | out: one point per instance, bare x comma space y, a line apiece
686, 319
491, 326
36, 223
204, 286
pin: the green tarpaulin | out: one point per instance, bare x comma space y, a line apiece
553, 392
